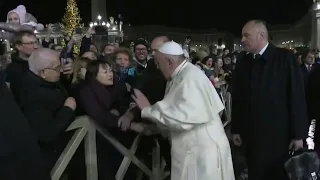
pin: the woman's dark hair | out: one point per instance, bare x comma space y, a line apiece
205, 59
93, 69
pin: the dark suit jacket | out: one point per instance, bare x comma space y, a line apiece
15, 72
151, 83
20, 156
43, 104
305, 73
268, 109
313, 99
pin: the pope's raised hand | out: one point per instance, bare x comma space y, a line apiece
140, 99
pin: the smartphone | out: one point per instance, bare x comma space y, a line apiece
78, 31
64, 56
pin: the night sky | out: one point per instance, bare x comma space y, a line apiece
199, 14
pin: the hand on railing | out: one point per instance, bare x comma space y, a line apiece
144, 128
84, 132
125, 120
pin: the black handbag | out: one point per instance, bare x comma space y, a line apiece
304, 164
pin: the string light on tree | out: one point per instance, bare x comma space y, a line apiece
72, 20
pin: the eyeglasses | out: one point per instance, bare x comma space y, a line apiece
141, 49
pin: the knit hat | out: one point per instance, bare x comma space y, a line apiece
26, 18
20, 11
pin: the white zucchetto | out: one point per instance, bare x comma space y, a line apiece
171, 48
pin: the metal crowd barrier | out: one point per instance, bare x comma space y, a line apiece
86, 129
226, 100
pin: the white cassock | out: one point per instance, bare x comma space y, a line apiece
190, 110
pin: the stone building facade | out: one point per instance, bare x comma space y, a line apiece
200, 38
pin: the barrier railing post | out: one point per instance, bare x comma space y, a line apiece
156, 163
122, 149
91, 154
126, 160
84, 130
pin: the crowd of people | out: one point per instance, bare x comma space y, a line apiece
158, 89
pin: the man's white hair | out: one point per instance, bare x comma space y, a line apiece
41, 59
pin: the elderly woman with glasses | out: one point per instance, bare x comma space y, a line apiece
45, 102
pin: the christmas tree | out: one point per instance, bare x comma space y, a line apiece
72, 20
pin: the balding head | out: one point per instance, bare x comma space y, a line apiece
254, 36
157, 43
43, 58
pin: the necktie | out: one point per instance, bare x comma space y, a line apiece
309, 68
257, 69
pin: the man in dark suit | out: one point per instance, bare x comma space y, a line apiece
313, 102
307, 66
269, 112
20, 156
151, 82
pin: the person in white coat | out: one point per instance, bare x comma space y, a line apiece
190, 111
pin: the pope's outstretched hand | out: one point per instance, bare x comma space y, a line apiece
140, 99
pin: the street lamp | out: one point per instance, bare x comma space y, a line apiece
99, 18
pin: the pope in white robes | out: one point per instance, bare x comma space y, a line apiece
190, 111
